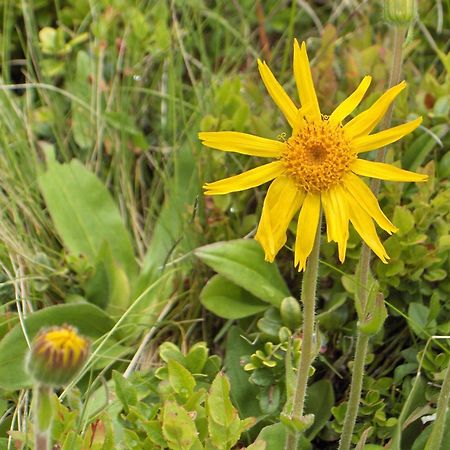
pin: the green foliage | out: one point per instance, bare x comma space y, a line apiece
101, 209
242, 262
193, 408
90, 321
84, 213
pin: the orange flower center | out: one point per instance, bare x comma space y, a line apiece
318, 155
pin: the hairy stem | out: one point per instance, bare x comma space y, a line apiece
308, 300
362, 340
355, 390
43, 417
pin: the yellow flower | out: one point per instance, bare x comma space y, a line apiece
317, 167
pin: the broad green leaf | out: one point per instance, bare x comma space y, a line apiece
319, 401
242, 262
85, 214
229, 301
180, 379
178, 427
243, 393
90, 320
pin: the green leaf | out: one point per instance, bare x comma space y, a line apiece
178, 427
197, 357
224, 424
85, 214
180, 379
109, 285
416, 398
418, 315
229, 301
319, 401
243, 393
90, 320
275, 437
416, 153
222, 411
403, 219
169, 351
242, 262
125, 391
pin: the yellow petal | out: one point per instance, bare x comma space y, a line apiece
278, 94
304, 81
282, 201
336, 215
246, 180
351, 102
306, 229
329, 214
358, 191
385, 171
247, 144
365, 122
385, 137
363, 224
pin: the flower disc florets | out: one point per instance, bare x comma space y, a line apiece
318, 155
57, 354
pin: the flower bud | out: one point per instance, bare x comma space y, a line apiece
375, 316
56, 355
399, 12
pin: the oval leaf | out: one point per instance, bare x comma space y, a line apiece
242, 262
85, 214
229, 301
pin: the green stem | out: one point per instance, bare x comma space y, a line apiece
308, 299
362, 341
355, 390
43, 417
435, 440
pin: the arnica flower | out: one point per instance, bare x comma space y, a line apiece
56, 355
317, 167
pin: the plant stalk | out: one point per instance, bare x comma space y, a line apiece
362, 340
355, 390
308, 300
43, 417
437, 433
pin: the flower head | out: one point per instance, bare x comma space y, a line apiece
317, 167
56, 355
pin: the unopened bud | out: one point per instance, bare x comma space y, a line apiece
56, 355
375, 316
399, 12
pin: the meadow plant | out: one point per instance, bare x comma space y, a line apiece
137, 313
